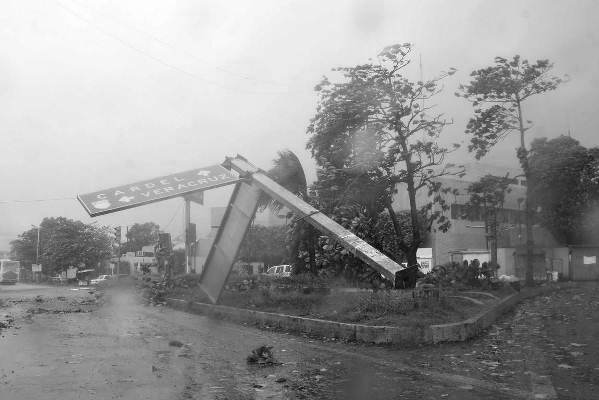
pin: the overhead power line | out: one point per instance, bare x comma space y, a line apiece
175, 47
173, 217
36, 200
156, 59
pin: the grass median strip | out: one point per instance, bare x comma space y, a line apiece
379, 315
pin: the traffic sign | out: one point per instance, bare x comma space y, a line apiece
157, 189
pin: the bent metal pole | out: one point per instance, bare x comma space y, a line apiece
242, 208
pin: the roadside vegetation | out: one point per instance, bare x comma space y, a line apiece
306, 295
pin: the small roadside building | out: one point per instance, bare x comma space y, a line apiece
584, 262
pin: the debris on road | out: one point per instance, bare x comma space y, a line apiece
262, 356
175, 343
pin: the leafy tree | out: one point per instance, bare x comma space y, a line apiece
487, 196
266, 244
140, 235
24, 248
373, 131
63, 243
178, 259
497, 94
564, 186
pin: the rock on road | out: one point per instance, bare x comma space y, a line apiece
77, 344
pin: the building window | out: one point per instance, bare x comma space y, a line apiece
461, 211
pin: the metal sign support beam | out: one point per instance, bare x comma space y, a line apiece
223, 253
240, 212
187, 219
347, 239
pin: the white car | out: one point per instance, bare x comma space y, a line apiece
279, 270
100, 279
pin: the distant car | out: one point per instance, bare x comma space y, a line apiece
279, 270
100, 279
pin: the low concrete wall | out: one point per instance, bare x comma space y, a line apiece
472, 327
463, 330
311, 326
451, 332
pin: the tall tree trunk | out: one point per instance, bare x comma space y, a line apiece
493, 238
528, 217
411, 255
396, 229
416, 238
312, 248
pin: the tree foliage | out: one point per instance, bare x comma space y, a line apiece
372, 131
564, 187
63, 243
488, 193
487, 196
265, 244
301, 237
140, 235
497, 94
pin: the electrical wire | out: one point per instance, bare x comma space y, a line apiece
173, 46
173, 217
156, 59
36, 200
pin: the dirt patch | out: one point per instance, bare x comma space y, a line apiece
40, 310
22, 304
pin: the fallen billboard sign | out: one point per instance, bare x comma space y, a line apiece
157, 189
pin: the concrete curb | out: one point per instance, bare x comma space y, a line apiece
311, 326
451, 332
472, 327
464, 330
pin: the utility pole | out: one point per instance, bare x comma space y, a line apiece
37, 246
190, 230
187, 233
117, 234
37, 257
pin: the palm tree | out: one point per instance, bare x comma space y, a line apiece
288, 172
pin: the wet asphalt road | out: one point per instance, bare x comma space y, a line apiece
71, 344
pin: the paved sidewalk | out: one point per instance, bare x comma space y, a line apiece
547, 344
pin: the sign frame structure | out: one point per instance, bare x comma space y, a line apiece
233, 229
241, 209
162, 188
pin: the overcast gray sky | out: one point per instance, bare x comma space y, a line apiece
95, 94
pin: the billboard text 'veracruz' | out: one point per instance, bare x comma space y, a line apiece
152, 190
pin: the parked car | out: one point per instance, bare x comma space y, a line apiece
279, 270
101, 279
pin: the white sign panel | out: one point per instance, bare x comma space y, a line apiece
589, 260
157, 189
71, 273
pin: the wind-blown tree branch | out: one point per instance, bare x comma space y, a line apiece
497, 94
372, 131
488, 196
564, 186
